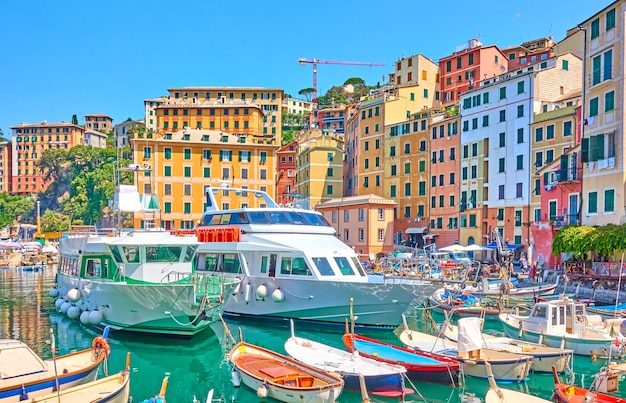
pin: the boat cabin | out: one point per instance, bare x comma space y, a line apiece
557, 318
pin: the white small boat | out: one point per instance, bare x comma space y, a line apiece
497, 395
544, 357
111, 389
565, 324
283, 378
24, 375
469, 351
505, 287
380, 378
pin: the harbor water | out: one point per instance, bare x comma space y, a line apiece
196, 365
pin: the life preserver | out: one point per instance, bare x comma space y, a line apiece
100, 344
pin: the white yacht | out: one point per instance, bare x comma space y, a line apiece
292, 265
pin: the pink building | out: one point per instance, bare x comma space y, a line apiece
286, 173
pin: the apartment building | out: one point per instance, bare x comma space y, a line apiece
470, 63
603, 147
29, 143
178, 166
495, 141
329, 119
351, 151
120, 131
286, 174
98, 122
363, 222
319, 167
529, 52
95, 138
269, 101
297, 106
6, 152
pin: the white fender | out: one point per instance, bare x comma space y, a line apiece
73, 312
247, 293
261, 391
278, 295
95, 317
65, 306
234, 376
58, 303
73, 295
84, 317
261, 291
54, 292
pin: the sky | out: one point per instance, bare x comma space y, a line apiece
61, 58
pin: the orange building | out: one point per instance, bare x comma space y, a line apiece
329, 119
5, 165
99, 122
471, 63
363, 222
286, 173
30, 141
530, 52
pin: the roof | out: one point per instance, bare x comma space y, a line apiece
215, 137
224, 88
98, 115
355, 200
44, 124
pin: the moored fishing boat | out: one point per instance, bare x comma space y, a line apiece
544, 357
564, 393
381, 378
283, 378
292, 265
497, 395
463, 305
565, 324
420, 365
111, 389
140, 281
470, 352
24, 375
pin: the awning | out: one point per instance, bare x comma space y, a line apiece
415, 230
511, 247
430, 236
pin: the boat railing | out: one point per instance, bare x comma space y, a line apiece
176, 277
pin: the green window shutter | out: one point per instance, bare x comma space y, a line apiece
564, 168
584, 150
545, 178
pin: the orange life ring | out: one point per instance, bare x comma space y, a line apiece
101, 344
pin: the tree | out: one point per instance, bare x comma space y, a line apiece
356, 81
12, 207
74, 120
52, 221
307, 93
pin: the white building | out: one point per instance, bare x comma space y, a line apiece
95, 139
121, 132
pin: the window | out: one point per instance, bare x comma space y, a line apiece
407, 167
485, 120
187, 153
187, 208
366, 163
464, 173
502, 139
167, 170
486, 97
421, 188
167, 207
608, 65
518, 189
377, 144
520, 87
609, 101
452, 175
407, 189
520, 111
474, 171
366, 145
361, 214
503, 115
593, 202
549, 132
394, 170
595, 28
610, 19
501, 165
474, 149
539, 134
549, 156
206, 172
381, 234
407, 148
365, 182
567, 128
593, 107
381, 214
538, 159
502, 92
167, 151
501, 192
565, 65
187, 189
609, 200
520, 162
392, 191
330, 157
187, 172
329, 189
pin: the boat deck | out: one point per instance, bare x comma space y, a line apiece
277, 372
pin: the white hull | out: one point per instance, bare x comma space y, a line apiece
511, 396
150, 308
375, 304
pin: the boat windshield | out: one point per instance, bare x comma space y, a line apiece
153, 253
540, 311
288, 217
323, 266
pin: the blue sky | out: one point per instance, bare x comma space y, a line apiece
106, 56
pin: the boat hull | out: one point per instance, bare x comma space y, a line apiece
464, 311
112, 389
503, 370
40, 385
588, 347
374, 304
388, 385
147, 308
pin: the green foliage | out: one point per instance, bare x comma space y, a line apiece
307, 93
287, 137
12, 207
75, 120
52, 221
293, 121
582, 240
338, 95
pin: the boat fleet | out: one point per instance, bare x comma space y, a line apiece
279, 263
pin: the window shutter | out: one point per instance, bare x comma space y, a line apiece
585, 150
564, 168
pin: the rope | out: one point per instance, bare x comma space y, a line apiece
415, 389
200, 311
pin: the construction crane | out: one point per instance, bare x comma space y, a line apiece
315, 62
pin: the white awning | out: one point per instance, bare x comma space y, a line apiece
430, 236
415, 230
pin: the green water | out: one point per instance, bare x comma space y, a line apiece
196, 365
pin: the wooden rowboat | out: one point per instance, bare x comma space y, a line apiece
283, 378
564, 393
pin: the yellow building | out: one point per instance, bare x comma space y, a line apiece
319, 166
603, 147
184, 162
233, 99
5, 165
363, 222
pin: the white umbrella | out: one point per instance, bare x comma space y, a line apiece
453, 248
474, 248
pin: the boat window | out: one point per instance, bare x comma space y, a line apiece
344, 266
540, 311
554, 316
323, 266
93, 268
216, 219
115, 250
258, 217
131, 253
190, 252
358, 266
295, 218
264, 260
296, 266
279, 218
163, 253
231, 263
316, 219
238, 218
225, 219
211, 262
562, 315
